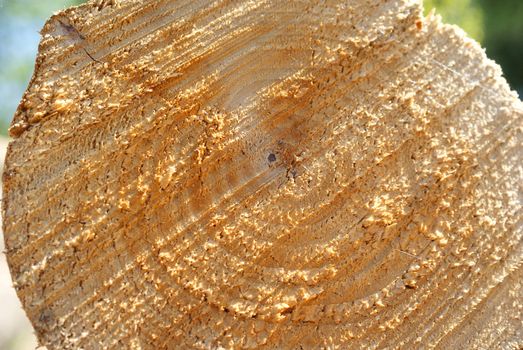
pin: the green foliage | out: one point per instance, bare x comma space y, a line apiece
504, 37
38, 8
4, 126
465, 13
497, 24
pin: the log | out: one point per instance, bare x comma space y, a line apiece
265, 174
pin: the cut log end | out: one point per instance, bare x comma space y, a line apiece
265, 174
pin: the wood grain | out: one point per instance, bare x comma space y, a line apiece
265, 174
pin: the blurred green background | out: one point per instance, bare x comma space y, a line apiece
497, 24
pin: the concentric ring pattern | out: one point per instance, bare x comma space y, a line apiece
265, 174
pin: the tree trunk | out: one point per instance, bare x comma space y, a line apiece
265, 174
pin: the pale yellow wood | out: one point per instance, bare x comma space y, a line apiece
265, 174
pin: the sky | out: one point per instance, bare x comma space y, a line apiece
20, 21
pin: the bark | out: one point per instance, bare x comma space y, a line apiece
265, 174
